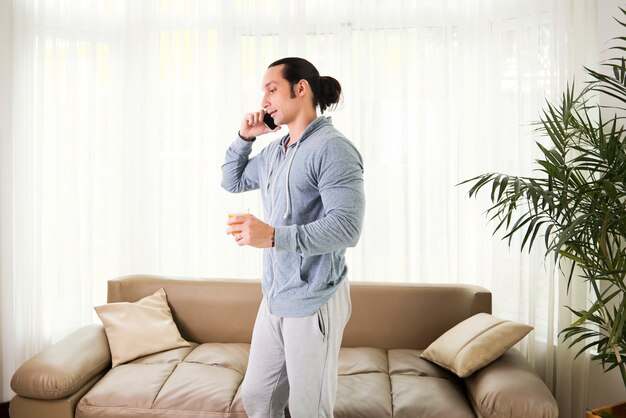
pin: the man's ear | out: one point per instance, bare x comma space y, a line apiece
302, 87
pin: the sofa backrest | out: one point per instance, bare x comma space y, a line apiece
384, 315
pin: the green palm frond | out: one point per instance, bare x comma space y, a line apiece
576, 204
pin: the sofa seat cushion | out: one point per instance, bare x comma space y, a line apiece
196, 381
376, 383
204, 381
363, 388
422, 389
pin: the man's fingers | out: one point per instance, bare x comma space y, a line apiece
259, 116
252, 118
254, 125
256, 118
234, 230
238, 224
242, 239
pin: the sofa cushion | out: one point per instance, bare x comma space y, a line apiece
363, 388
211, 372
474, 343
422, 389
139, 328
197, 381
376, 383
204, 381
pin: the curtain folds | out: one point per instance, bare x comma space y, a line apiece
122, 112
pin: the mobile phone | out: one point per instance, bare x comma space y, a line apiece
269, 121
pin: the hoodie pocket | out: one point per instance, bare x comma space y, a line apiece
319, 271
321, 321
287, 272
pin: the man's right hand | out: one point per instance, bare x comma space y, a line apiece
252, 125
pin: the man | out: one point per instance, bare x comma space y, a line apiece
311, 182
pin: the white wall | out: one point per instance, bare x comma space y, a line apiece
606, 388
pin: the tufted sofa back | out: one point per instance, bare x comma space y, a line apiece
384, 315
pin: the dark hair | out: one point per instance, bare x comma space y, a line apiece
326, 90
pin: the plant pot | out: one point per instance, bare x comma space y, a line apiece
617, 411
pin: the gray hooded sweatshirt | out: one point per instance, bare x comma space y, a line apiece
313, 196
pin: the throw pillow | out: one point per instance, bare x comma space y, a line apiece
140, 328
474, 343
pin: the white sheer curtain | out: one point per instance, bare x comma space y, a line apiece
122, 111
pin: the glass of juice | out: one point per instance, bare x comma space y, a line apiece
237, 213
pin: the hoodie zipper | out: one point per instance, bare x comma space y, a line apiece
306, 133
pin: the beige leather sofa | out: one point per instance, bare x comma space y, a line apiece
381, 373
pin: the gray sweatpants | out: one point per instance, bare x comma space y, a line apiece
295, 360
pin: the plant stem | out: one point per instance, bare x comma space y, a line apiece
620, 363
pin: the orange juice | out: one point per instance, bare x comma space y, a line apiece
230, 215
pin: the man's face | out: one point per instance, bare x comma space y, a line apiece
277, 98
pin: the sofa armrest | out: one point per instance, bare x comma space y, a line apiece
509, 387
63, 368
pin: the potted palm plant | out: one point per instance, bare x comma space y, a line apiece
577, 205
